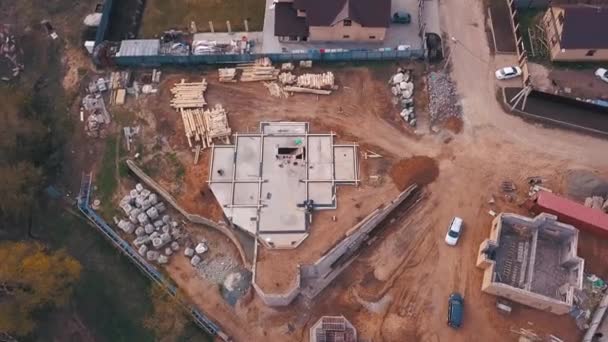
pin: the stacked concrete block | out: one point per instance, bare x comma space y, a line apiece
162, 259
155, 233
201, 248
195, 260
152, 255
189, 252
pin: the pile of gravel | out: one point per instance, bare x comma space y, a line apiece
443, 100
215, 269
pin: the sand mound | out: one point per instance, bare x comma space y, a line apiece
421, 170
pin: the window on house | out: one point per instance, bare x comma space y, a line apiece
348, 22
345, 36
560, 18
590, 53
372, 37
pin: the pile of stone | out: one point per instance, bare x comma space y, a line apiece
402, 88
157, 234
597, 202
195, 254
443, 101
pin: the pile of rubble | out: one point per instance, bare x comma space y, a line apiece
10, 65
402, 88
98, 117
597, 202
157, 234
443, 101
588, 299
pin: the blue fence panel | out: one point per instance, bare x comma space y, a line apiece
104, 23
315, 55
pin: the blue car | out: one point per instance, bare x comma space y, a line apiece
455, 310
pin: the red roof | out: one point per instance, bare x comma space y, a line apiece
571, 209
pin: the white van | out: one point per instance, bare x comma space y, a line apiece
454, 231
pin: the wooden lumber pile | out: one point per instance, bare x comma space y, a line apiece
307, 90
260, 70
216, 123
227, 74
194, 125
316, 81
287, 78
275, 90
189, 95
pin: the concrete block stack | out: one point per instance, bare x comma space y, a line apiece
156, 233
402, 88
195, 254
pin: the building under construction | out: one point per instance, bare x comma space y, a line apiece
532, 261
268, 183
333, 329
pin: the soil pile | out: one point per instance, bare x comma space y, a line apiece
453, 124
420, 170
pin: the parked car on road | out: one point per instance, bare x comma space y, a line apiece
401, 18
454, 230
455, 310
602, 74
508, 72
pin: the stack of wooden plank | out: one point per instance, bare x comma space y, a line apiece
189, 95
227, 74
287, 78
260, 70
216, 123
194, 125
316, 81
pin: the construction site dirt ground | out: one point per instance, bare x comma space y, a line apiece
397, 289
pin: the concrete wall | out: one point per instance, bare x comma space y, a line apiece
553, 31
524, 297
339, 32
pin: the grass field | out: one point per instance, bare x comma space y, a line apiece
160, 15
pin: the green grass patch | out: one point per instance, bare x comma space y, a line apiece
106, 181
177, 165
161, 15
112, 294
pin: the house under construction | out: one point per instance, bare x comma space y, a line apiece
532, 261
333, 329
268, 183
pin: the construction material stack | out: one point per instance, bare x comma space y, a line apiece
227, 74
320, 84
260, 70
216, 123
189, 95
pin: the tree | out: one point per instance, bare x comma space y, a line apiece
32, 279
19, 184
168, 318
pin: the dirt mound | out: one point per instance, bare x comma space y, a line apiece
453, 124
421, 170
584, 183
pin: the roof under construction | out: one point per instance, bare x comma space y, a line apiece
268, 183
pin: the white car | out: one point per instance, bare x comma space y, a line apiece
602, 74
454, 230
508, 72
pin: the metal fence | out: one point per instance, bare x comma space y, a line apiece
315, 55
83, 205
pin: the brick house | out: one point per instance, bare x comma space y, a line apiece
576, 33
332, 20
